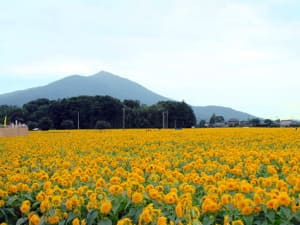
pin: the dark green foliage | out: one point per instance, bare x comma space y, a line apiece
101, 124
212, 119
13, 113
219, 119
202, 123
89, 110
32, 124
45, 123
254, 122
132, 104
269, 123
67, 124
179, 114
216, 119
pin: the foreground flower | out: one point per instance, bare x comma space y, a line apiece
105, 207
237, 222
34, 219
25, 207
125, 221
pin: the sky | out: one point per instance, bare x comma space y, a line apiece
243, 54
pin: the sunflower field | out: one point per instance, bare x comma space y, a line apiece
229, 176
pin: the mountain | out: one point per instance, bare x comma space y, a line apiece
105, 83
102, 83
205, 112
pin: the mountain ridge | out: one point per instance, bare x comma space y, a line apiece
106, 83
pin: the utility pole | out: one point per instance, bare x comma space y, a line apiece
123, 117
167, 119
163, 119
78, 120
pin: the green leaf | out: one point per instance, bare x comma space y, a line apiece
271, 216
63, 207
208, 220
21, 221
287, 213
248, 219
138, 213
259, 222
297, 216
196, 222
91, 217
51, 212
116, 204
83, 211
71, 217
131, 212
29, 197
35, 205
105, 222
11, 200
4, 214
42, 221
2, 211
62, 222
283, 222
194, 215
11, 211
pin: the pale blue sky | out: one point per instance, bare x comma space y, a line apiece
235, 53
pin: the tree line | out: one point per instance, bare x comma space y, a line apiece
88, 112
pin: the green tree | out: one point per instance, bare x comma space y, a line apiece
202, 123
45, 123
132, 104
219, 119
67, 124
36, 109
268, 122
13, 113
87, 110
32, 124
176, 114
212, 119
254, 122
102, 124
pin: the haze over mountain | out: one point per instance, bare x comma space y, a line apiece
105, 83
102, 83
205, 112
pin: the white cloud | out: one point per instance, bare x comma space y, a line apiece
54, 67
228, 52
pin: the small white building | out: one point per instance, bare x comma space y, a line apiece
233, 122
288, 123
219, 124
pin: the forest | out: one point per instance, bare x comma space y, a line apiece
98, 112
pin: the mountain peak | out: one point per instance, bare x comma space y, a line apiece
101, 83
105, 83
103, 73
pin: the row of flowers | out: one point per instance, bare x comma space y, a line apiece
143, 177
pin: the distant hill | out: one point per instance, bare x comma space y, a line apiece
205, 112
105, 83
102, 83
